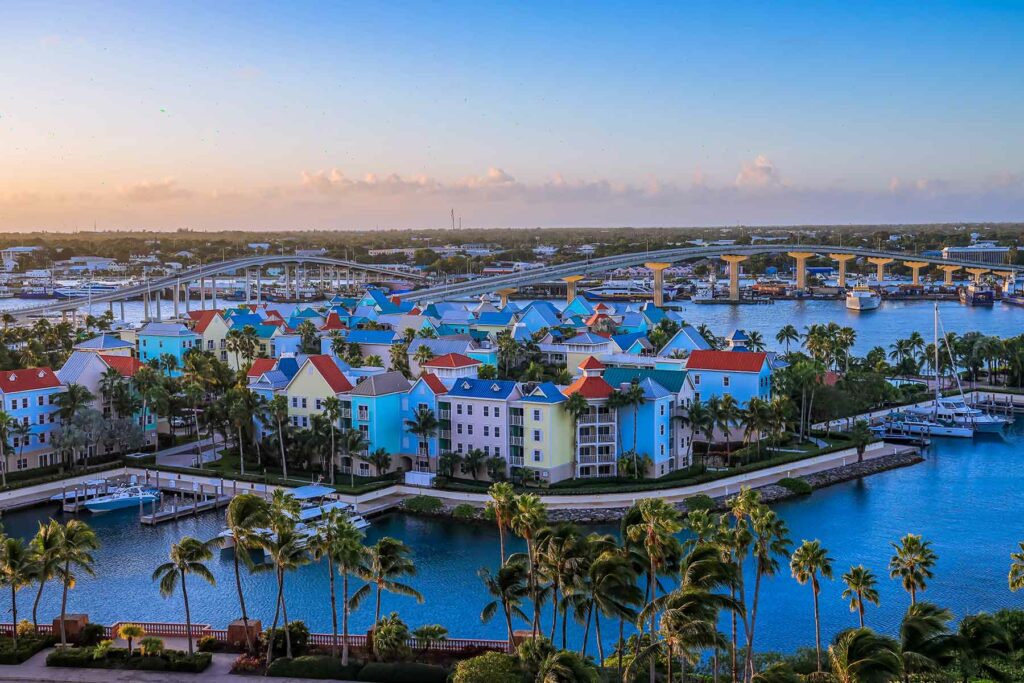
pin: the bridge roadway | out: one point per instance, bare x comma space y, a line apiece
206, 270
604, 264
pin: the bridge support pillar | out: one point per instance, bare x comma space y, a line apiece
948, 274
880, 264
159, 313
1007, 277
915, 270
505, 294
801, 267
976, 273
659, 281
122, 310
842, 259
259, 286
247, 285
145, 307
734, 262
570, 287
213, 291
202, 294
176, 294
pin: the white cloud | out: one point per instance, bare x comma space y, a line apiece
760, 172
154, 191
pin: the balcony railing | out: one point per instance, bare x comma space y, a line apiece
346, 412
597, 438
515, 420
597, 418
444, 414
603, 458
444, 433
515, 460
515, 440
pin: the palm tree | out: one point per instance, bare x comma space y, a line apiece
609, 589
423, 425
757, 418
146, 381
561, 556
503, 505
332, 411
277, 408
925, 642
75, 544
577, 406
808, 562
982, 648
336, 536
860, 435
246, 513
16, 571
1016, 577
381, 460
241, 407
45, 548
529, 517
349, 556
770, 541
860, 588
284, 545
787, 335
509, 586
634, 397
860, 655
423, 355
354, 441
726, 416
387, 560
701, 422
473, 461
187, 557
6, 427
912, 564
658, 524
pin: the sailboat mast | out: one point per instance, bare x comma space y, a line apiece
938, 381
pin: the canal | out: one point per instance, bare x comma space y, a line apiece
965, 498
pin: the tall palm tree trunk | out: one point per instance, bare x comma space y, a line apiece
334, 609
344, 619
284, 615
284, 461
277, 613
586, 629
817, 630
501, 543
64, 606
35, 605
597, 631
748, 665
188, 613
14, 615
241, 597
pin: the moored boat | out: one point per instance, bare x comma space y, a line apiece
862, 298
125, 497
977, 295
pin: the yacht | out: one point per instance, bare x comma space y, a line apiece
907, 423
83, 290
121, 498
705, 293
956, 411
862, 298
625, 290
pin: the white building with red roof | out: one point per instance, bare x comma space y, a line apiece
452, 366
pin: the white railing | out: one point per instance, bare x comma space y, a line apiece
516, 460
593, 459
598, 418
515, 420
444, 433
515, 440
444, 414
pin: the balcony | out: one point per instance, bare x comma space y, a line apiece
596, 438
597, 418
444, 414
602, 459
515, 420
346, 413
444, 433
515, 441
515, 460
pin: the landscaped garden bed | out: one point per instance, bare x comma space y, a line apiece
104, 657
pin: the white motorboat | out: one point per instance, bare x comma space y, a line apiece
121, 498
862, 298
905, 423
956, 411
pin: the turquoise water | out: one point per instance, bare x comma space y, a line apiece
965, 498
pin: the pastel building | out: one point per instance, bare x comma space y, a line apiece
648, 426
478, 415
423, 395
596, 430
29, 397
159, 339
318, 378
741, 374
213, 328
547, 434
376, 404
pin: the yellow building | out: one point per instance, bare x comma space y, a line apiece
317, 379
546, 434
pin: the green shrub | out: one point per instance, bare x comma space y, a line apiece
492, 667
118, 658
91, 634
389, 638
27, 647
77, 657
404, 672
429, 505
247, 664
464, 511
299, 633
151, 645
313, 666
210, 644
797, 486
701, 501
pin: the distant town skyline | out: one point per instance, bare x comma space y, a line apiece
351, 116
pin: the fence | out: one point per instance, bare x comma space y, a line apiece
173, 630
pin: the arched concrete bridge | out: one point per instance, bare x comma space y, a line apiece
733, 254
199, 274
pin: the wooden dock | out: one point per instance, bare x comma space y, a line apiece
177, 510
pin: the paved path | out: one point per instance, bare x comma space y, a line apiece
36, 671
184, 455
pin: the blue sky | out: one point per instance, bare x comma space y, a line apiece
353, 115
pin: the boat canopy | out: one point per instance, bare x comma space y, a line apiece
311, 491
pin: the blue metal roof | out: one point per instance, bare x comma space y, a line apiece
371, 336
545, 392
104, 341
469, 387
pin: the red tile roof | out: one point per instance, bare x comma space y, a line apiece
450, 360
202, 319
590, 388
591, 363
731, 361
595, 318
259, 366
435, 384
126, 365
333, 322
30, 379
330, 371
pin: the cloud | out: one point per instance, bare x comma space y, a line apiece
760, 172
154, 191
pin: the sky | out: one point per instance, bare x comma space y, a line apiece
360, 115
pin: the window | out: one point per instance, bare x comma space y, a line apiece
536, 416
469, 409
305, 421
497, 411
662, 448
661, 430
295, 402
469, 429
40, 400
458, 409
487, 430
42, 419
295, 420
14, 404
317, 404
303, 401
725, 380
42, 437
420, 407
24, 403
661, 409
486, 409
363, 413
538, 456
696, 380
487, 451
696, 397
23, 463
497, 451
458, 428
537, 435
459, 449
497, 432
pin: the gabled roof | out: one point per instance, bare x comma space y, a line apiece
29, 379
166, 330
434, 382
493, 318
587, 338
589, 388
103, 342
382, 384
330, 371
440, 347
738, 335
545, 392
333, 322
625, 341
729, 361
670, 379
125, 365
470, 387
653, 390
259, 366
202, 319
450, 360
591, 363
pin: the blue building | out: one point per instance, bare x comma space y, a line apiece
377, 412
29, 397
174, 339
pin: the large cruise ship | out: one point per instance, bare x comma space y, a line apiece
862, 298
86, 289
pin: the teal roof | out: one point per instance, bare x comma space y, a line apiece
670, 379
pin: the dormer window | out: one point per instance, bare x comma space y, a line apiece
495, 388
